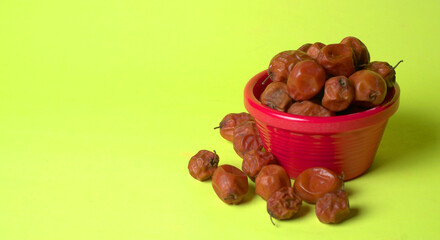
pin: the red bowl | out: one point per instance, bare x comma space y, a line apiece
346, 144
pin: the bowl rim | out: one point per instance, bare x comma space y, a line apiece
319, 125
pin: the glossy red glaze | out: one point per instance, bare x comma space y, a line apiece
346, 143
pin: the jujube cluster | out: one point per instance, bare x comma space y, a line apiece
330, 79
229, 182
318, 185
314, 80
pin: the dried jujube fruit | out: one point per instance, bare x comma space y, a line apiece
230, 184
309, 108
246, 138
275, 96
283, 204
282, 63
270, 179
338, 94
314, 50
255, 160
385, 70
313, 183
202, 165
230, 121
360, 51
333, 207
305, 80
305, 47
337, 60
370, 88
301, 70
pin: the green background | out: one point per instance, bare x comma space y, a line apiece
102, 104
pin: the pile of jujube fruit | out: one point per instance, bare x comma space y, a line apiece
314, 80
327, 80
319, 186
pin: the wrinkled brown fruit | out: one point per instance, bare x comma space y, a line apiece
255, 160
338, 93
230, 184
282, 63
309, 108
313, 183
270, 179
369, 87
246, 138
360, 51
305, 47
283, 204
337, 60
332, 207
276, 97
385, 70
202, 165
230, 121
315, 49
305, 80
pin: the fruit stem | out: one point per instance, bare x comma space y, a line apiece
216, 127
230, 197
213, 161
271, 219
397, 64
268, 76
342, 83
362, 66
372, 96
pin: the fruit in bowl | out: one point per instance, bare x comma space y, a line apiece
316, 115
336, 76
337, 114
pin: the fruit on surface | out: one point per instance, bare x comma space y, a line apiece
270, 179
230, 121
202, 165
283, 204
313, 183
230, 184
246, 138
255, 160
333, 207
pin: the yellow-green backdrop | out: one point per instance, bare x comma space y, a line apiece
102, 104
